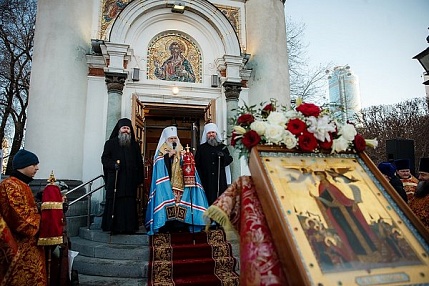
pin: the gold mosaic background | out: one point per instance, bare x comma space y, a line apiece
159, 51
233, 15
110, 9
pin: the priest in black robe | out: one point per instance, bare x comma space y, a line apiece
212, 161
123, 170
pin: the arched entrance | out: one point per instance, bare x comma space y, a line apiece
149, 119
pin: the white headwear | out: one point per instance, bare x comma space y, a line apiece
209, 127
170, 131
213, 127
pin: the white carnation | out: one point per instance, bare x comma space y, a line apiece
277, 118
274, 133
348, 131
321, 127
259, 127
291, 114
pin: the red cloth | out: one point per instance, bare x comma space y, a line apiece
259, 262
21, 220
8, 244
52, 222
188, 169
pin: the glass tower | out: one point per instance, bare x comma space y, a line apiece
344, 94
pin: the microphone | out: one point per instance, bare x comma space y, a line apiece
174, 148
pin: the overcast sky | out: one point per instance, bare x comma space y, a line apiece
376, 38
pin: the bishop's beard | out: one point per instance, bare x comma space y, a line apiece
124, 139
213, 142
422, 189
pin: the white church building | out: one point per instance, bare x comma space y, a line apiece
157, 62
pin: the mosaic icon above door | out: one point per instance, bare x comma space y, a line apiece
174, 57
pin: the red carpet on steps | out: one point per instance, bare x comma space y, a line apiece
203, 258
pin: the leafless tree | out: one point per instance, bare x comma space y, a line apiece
405, 120
17, 21
306, 82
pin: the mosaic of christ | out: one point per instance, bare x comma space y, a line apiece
174, 58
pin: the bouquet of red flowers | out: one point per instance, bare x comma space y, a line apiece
306, 128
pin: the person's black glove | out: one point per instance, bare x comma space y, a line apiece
39, 207
65, 207
117, 167
220, 154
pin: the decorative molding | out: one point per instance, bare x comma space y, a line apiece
110, 10
96, 72
115, 81
233, 15
232, 90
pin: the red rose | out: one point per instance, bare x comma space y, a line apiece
245, 119
307, 142
296, 126
309, 109
359, 143
326, 145
267, 110
251, 139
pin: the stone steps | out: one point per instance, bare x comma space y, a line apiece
105, 250
118, 259
103, 255
88, 280
110, 267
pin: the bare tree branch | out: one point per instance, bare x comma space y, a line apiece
17, 21
405, 120
306, 82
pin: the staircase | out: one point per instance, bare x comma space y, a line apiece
118, 259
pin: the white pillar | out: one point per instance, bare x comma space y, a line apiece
232, 93
266, 42
115, 84
56, 111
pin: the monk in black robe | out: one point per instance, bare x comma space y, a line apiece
123, 169
211, 160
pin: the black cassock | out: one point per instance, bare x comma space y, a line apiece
130, 176
207, 161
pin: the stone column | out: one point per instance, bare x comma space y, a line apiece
115, 85
266, 43
232, 93
59, 77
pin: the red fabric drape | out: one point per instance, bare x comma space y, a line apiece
239, 208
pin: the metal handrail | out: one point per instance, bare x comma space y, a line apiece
88, 194
83, 184
85, 195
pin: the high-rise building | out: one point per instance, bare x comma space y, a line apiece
344, 93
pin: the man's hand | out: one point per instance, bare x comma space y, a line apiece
117, 167
220, 154
172, 152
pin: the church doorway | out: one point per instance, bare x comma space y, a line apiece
149, 119
187, 119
